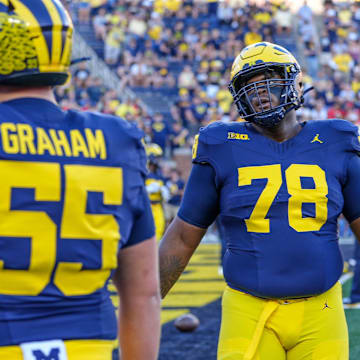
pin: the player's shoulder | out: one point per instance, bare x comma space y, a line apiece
218, 132
337, 132
334, 126
3, 107
210, 143
124, 139
115, 125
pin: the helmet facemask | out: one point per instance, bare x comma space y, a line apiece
273, 96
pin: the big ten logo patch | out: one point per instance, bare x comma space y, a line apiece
44, 350
237, 136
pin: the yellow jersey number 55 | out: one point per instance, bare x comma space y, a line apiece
45, 179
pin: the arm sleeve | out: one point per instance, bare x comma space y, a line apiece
200, 204
351, 190
143, 227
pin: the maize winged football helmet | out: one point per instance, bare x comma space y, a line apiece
35, 42
280, 70
153, 152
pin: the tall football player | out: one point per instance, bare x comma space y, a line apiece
73, 208
278, 187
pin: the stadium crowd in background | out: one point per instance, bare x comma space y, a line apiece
186, 47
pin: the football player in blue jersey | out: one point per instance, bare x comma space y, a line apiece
73, 207
278, 187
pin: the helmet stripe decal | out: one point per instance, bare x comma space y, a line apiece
66, 38
281, 50
57, 45
36, 33
65, 17
68, 46
41, 12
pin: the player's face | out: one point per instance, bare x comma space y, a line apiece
263, 95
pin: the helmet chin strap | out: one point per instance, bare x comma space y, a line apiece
270, 119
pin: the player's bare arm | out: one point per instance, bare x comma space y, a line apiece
176, 248
138, 287
355, 226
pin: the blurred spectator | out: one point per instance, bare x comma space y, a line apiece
305, 14
100, 24
113, 41
337, 111
225, 13
82, 73
137, 23
253, 35
179, 136
187, 78
283, 19
140, 72
307, 31
160, 130
84, 9
319, 112
311, 56
95, 90
176, 187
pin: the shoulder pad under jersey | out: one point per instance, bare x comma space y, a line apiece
350, 134
124, 136
213, 134
125, 127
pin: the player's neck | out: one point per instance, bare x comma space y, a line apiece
8, 93
285, 130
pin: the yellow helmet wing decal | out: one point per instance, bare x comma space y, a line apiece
36, 34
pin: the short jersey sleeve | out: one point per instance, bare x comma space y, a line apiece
135, 195
200, 204
208, 146
140, 158
349, 135
143, 226
351, 190
348, 142
200, 150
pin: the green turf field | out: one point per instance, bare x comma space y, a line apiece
353, 319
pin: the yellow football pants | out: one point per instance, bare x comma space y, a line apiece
159, 220
76, 350
303, 329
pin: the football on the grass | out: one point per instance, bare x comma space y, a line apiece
187, 322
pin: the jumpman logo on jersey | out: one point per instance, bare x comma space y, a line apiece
326, 306
316, 138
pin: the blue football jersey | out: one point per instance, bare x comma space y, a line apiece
279, 204
72, 195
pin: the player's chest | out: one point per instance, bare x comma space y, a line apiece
262, 185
